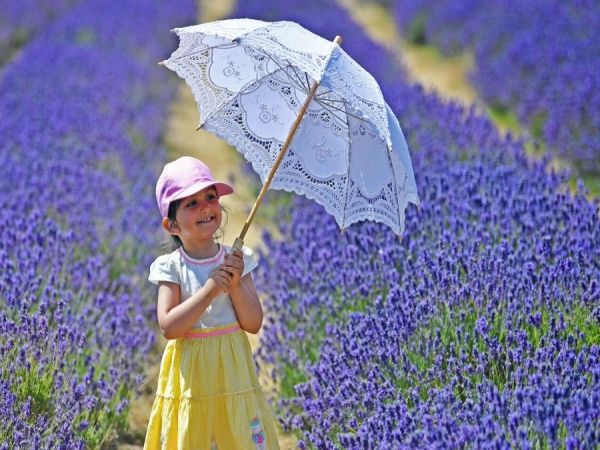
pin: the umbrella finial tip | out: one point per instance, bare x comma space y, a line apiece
338, 40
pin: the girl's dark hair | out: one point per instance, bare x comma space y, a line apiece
173, 242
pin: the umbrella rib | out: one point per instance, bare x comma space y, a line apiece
307, 80
303, 88
345, 111
326, 107
298, 81
330, 99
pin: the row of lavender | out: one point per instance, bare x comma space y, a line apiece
19, 21
537, 58
480, 328
82, 108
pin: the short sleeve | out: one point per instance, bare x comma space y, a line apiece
250, 262
163, 269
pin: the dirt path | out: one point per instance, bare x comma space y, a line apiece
447, 76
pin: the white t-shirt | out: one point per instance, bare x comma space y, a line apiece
191, 274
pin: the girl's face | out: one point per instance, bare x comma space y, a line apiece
199, 216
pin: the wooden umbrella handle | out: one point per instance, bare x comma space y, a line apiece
239, 241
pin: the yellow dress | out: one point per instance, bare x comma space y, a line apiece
208, 395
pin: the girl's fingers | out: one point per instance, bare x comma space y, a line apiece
223, 283
226, 273
221, 277
238, 263
222, 269
234, 259
232, 269
235, 254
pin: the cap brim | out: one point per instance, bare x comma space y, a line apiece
222, 189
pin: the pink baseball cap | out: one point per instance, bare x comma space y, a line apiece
183, 177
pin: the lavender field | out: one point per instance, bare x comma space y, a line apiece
480, 328
83, 109
20, 21
536, 59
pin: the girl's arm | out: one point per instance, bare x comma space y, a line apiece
176, 318
243, 294
247, 305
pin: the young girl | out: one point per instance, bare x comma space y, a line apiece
208, 395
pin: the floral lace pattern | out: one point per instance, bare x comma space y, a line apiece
250, 79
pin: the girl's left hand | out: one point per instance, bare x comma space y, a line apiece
234, 264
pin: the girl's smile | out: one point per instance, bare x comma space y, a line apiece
197, 219
207, 220
201, 208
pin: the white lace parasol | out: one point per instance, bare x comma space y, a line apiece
251, 79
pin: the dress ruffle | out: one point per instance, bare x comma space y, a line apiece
208, 397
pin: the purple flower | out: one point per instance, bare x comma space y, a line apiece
465, 332
545, 53
77, 230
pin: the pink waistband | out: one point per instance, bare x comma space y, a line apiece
199, 333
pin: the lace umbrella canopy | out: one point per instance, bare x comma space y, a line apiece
307, 117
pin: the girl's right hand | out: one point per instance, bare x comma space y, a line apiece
221, 277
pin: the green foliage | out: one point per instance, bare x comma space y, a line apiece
122, 257
308, 349
579, 322
416, 30
36, 384
275, 207
103, 422
137, 138
504, 118
290, 378
591, 182
85, 36
537, 125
